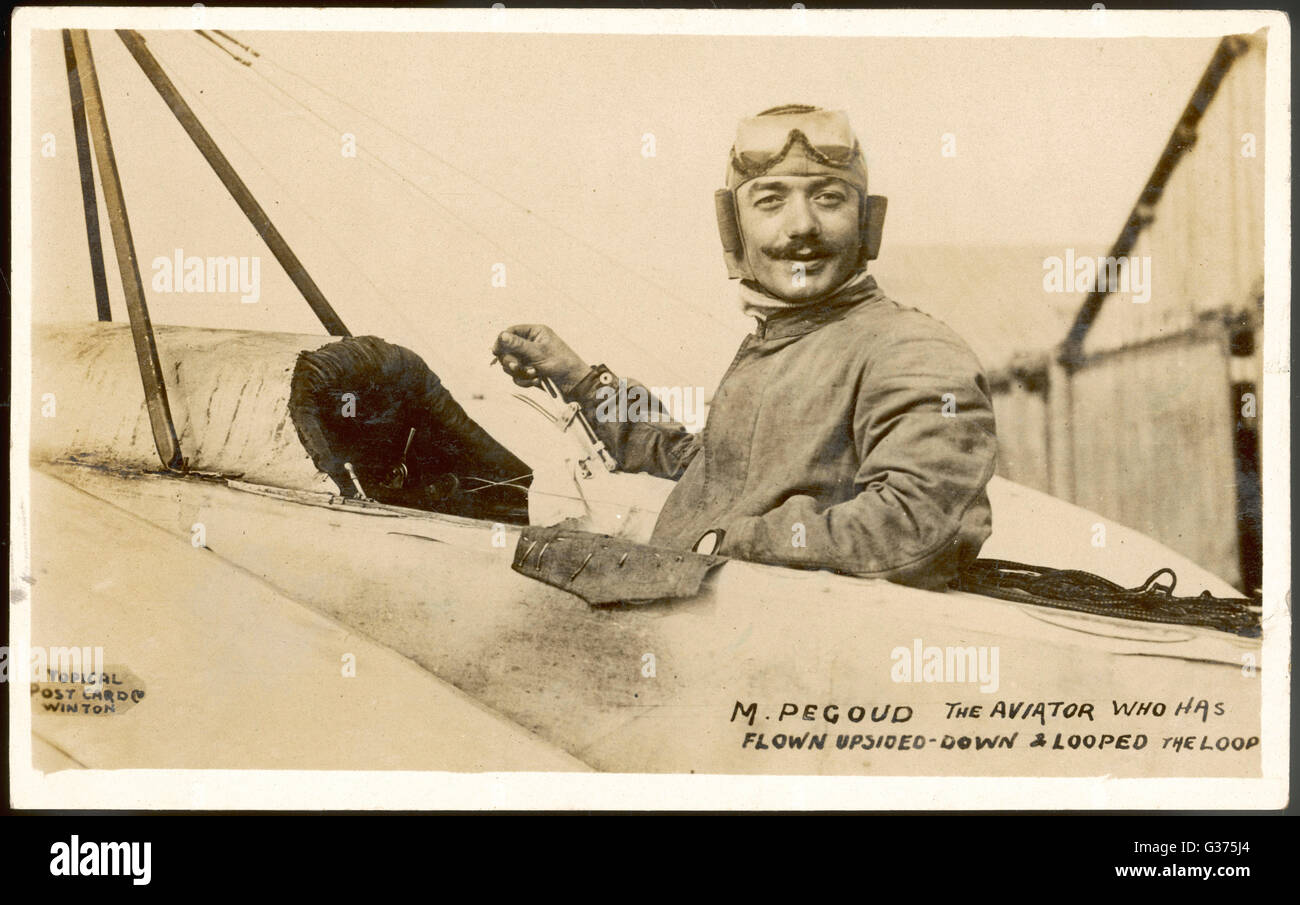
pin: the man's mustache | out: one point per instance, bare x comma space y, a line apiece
795, 251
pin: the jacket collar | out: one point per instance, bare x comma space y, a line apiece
803, 319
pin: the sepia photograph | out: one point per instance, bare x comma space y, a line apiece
782, 408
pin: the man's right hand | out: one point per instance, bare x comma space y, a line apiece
530, 352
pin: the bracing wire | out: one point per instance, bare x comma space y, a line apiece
234, 56
217, 31
508, 482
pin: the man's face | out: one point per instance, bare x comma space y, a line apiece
801, 233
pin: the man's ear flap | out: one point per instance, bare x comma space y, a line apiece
872, 225
733, 246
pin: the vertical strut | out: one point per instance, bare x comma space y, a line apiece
146, 349
88, 203
243, 197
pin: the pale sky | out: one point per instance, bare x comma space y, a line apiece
534, 159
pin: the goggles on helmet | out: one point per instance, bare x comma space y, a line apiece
762, 142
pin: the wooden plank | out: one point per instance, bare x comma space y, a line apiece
146, 350
1153, 435
89, 205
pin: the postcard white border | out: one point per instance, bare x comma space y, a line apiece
304, 790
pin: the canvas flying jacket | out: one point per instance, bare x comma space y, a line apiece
856, 436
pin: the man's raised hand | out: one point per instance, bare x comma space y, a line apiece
530, 352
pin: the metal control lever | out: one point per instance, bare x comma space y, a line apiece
565, 415
573, 413
397, 477
356, 482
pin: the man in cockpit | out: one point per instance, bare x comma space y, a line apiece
850, 433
